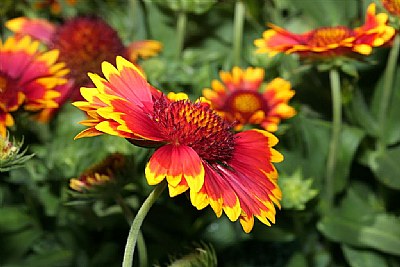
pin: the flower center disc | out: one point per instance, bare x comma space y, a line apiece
195, 125
329, 35
245, 102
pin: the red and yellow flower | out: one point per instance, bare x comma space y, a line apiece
329, 41
238, 98
84, 43
99, 174
393, 6
28, 78
196, 148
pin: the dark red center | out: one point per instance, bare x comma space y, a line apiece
197, 126
329, 35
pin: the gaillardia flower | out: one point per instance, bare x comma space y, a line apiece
393, 6
329, 41
28, 78
238, 98
54, 5
84, 43
196, 148
99, 174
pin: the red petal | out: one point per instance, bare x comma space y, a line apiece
176, 163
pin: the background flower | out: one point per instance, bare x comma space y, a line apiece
329, 41
84, 42
240, 99
28, 78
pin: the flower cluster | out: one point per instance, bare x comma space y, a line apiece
84, 42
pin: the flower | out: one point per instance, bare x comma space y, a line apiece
28, 78
55, 5
99, 174
238, 98
393, 6
196, 148
329, 41
84, 43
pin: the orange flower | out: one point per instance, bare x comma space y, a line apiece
55, 5
329, 41
27, 78
393, 6
196, 149
239, 99
84, 43
99, 174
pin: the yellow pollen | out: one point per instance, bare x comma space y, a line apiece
246, 103
329, 35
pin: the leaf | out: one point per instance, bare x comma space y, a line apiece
392, 127
15, 245
362, 258
51, 258
361, 115
385, 165
357, 223
310, 150
13, 219
328, 12
297, 260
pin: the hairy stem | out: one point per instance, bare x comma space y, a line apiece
335, 136
137, 223
238, 31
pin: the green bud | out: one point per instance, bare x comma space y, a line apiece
296, 191
188, 6
11, 156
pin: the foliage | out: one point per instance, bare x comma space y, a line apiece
43, 222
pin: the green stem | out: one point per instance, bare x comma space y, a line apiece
238, 31
387, 91
334, 142
142, 251
137, 223
180, 32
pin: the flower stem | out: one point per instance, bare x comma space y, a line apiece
129, 218
387, 91
238, 31
180, 32
334, 142
137, 223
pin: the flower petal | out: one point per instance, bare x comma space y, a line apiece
175, 163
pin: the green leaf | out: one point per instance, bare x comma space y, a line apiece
51, 258
192, 6
385, 166
297, 260
15, 245
392, 127
328, 12
363, 258
360, 114
356, 222
310, 150
13, 219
